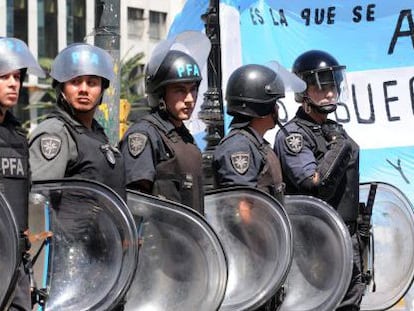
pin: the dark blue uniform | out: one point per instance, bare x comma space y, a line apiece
304, 149
245, 158
166, 156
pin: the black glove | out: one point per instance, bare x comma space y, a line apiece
333, 131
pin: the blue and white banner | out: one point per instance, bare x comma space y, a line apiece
374, 39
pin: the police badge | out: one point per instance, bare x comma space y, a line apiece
136, 143
294, 142
240, 162
50, 146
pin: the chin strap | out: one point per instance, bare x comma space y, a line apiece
325, 109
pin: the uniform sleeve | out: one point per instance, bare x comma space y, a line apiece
236, 162
51, 148
296, 156
136, 148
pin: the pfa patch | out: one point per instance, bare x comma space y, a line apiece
240, 162
50, 146
136, 143
294, 142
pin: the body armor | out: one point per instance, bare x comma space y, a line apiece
97, 159
14, 174
177, 178
346, 201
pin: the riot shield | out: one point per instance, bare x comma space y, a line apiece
322, 260
181, 265
256, 235
391, 257
9, 257
92, 256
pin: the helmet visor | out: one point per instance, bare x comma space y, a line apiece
332, 79
291, 82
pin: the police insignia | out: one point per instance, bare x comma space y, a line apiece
294, 142
136, 143
240, 162
50, 146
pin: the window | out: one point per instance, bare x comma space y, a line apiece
17, 19
135, 23
157, 25
47, 28
76, 21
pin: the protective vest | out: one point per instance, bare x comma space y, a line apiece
97, 159
269, 178
178, 175
14, 173
346, 197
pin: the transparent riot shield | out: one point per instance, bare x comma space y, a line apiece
390, 257
9, 257
256, 234
322, 260
92, 256
182, 265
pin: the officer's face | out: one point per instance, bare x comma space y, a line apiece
180, 99
325, 94
9, 89
83, 92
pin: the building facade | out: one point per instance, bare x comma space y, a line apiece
48, 26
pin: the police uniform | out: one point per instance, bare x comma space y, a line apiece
62, 147
303, 149
15, 185
156, 151
243, 157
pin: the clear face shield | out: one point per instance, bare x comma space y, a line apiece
326, 88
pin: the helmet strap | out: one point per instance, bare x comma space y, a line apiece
311, 106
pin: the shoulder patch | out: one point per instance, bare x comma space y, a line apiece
136, 143
50, 146
240, 162
294, 142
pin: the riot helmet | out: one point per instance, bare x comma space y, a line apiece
321, 70
15, 55
252, 91
177, 59
82, 59
177, 66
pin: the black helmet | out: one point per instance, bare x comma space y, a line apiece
177, 66
319, 68
252, 91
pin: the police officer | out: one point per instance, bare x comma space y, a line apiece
317, 156
70, 142
244, 157
161, 157
15, 61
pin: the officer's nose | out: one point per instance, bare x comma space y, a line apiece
191, 97
83, 86
330, 94
13, 80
